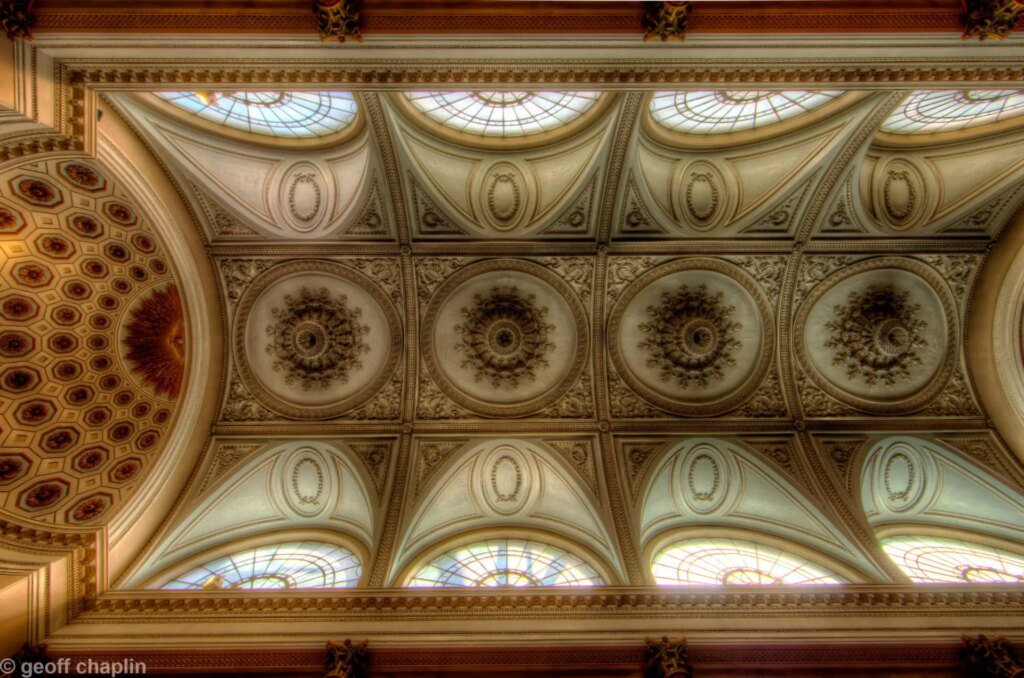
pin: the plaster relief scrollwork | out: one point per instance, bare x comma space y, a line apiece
504, 337
239, 273
677, 342
580, 455
879, 335
315, 339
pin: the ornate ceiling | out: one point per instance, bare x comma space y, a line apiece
430, 326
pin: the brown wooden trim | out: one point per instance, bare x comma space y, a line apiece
590, 660
399, 17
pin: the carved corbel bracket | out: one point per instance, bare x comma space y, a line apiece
16, 18
666, 21
667, 658
338, 20
346, 659
993, 657
995, 19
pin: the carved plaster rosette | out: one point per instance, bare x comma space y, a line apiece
693, 336
314, 339
505, 337
878, 335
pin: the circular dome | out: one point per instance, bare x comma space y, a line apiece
877, 334
930, 112
313, 338
272, 114
92, 340
693, 336
505, 337
725, 111
503, 114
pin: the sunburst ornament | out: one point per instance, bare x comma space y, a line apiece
155, 339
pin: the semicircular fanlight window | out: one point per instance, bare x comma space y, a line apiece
719, 562
932, 111
274, 114
297, 565
503, 114
935, 560
507, 562
725, 111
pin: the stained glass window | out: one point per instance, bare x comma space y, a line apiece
273, 114
724, 111
930, 111
507, 562
715, 562
503, 114
299, 565
936, 560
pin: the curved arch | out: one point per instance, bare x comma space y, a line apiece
294, 485
666, 538
726, 138
228, 548
311, 118
554, 130
911, 482
716, 557
431, 552
931, 560
720, 486
995, 351
504, 483
930, 112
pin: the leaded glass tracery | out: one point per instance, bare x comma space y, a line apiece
507, 562
503, 114
717, 562
936, 560
275, 114
931, 111
296, 565
724, 111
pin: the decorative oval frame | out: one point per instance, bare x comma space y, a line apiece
329, 486
721, 484
518, 408
921, 478
942, 374
252, 382
762, 363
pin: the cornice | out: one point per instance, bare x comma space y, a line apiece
610, 602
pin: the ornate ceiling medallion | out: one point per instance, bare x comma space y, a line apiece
505, 337
877, 335
678, 342
314, 339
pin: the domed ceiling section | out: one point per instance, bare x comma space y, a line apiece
93, 343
